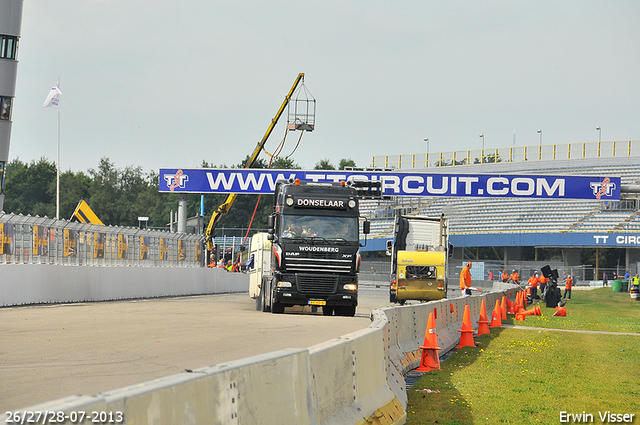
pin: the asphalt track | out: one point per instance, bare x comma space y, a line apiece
49, 352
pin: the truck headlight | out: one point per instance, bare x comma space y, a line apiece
284, 284
350, 287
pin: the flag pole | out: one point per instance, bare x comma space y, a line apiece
58, 167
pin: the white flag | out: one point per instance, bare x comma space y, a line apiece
53, 100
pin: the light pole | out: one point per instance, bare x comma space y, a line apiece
599, 133
540, 132
482, 151
426, 159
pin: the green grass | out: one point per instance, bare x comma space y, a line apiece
526, 376
595, 310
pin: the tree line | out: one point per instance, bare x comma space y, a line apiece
119, 196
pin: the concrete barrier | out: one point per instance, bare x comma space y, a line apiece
22, 284
354, 379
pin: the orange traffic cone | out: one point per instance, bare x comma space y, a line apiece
430, 359
496, 321
519, 302
483, 321
560, 311
510, 306
451, 308
503, 308
466, 337
533, 312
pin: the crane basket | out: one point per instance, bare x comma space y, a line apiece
301, 110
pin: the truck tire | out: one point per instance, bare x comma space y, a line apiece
259, 301
347, 310
264, 290
276, 308
327, 310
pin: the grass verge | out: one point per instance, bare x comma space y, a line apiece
526, 376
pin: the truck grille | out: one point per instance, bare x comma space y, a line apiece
314, 284
319, 262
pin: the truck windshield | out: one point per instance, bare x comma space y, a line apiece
310, 226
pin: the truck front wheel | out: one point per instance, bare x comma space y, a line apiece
276, 307
349, 310
265, 288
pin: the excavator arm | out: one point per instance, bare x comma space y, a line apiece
228, 203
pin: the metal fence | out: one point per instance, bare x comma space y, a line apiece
42, 240
511, 154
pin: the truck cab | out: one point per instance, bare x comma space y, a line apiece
315, 248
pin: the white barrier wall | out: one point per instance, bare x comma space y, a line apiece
22, 284
354, 379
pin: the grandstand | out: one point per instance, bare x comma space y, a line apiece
512, 222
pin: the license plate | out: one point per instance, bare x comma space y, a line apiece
317, 302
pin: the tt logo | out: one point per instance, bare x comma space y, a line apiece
176, 180
604, 188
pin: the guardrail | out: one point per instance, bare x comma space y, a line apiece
354, 379
512, 154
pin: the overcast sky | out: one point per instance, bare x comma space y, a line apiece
160, 83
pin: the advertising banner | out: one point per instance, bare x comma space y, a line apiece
163, 249
198, 252
123, 246
40, 240
6, 239
70, 243
144, 247
98, 245
395, 183
182, 250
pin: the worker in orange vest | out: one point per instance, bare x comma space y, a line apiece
568, 282
515, 278
465, 280
504, 276
533, 285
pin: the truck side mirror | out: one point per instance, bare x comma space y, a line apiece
366, 227
270, 228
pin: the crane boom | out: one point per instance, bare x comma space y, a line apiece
228, 203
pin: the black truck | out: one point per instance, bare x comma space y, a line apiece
315, 247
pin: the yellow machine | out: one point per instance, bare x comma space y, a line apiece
84, 214
418, 259
228, 203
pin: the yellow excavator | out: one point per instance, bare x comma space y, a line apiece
84, 214
228, 203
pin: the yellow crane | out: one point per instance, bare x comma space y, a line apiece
228, 203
